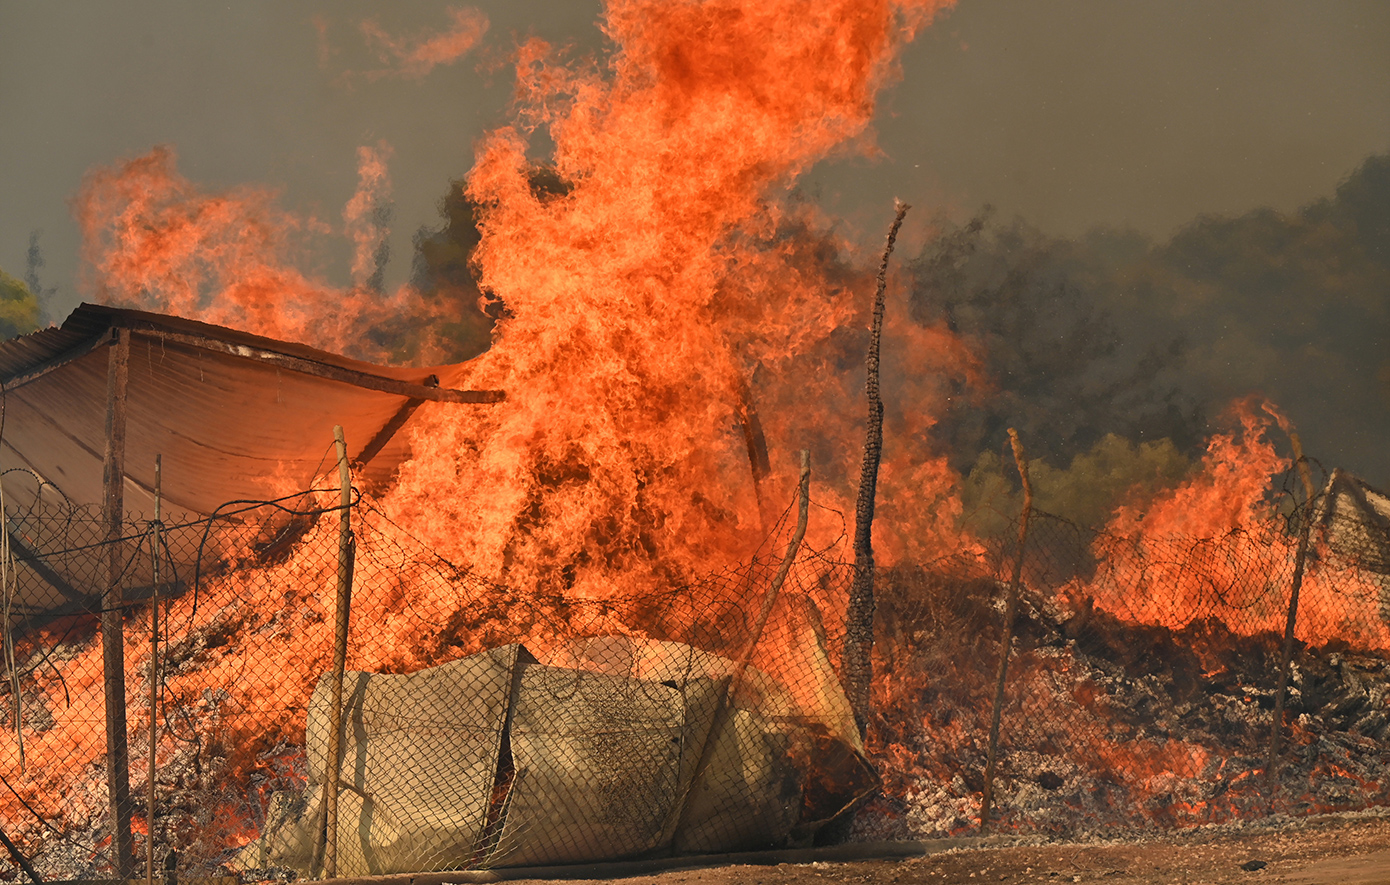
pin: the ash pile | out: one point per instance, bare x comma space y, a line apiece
1113, 723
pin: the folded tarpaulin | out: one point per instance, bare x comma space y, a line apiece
497, 759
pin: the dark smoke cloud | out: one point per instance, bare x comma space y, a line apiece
1114, 334
1294, 305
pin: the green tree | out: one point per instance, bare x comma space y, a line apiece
19, 309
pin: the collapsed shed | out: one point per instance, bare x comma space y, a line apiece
1352, 523
89, 405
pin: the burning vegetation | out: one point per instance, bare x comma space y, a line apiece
670, 326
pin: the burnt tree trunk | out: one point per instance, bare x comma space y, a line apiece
859, 618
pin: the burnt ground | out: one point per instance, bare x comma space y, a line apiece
1352, 849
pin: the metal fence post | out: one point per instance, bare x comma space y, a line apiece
1010, 607
346, 550
154, 671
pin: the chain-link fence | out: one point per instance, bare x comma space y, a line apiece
1143, 675
480, 727
484, 727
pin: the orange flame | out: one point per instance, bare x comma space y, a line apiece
656, 300
1228, 492
417, 58
649, 294
364, 226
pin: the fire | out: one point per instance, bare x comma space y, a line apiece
650, 305
152, 240
1211, 548
649, 294
1228, 492
657, 303
663, 295
1226, 499
417, 58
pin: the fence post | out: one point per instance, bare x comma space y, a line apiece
1300, 559
113, 605
346, 551
731, 682
154, 670
859, 615
1010, 608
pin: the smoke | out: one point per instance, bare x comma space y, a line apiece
1059, 365
1295, 306
33, 263
1112, 334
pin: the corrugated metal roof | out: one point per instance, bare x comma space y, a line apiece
234, 416
89, 322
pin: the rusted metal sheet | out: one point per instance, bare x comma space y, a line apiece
235, 416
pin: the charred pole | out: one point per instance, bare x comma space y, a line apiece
1010, 610
756, 444
1291, 621
113, 605
18, 857
859, 617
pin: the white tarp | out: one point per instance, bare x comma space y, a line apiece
498, 759
1352, 524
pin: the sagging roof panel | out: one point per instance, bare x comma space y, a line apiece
234, 416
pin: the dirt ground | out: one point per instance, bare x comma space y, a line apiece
1329, 850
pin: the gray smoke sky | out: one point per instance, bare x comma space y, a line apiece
1071, 113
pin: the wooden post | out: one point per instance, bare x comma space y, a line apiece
756, 444
1290, 622
859, 615
730, 683
7, 588
113, 605
154, 672
803, 510
1010, 609
346, 551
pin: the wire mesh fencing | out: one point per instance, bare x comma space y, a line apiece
480, 726
1142, 681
